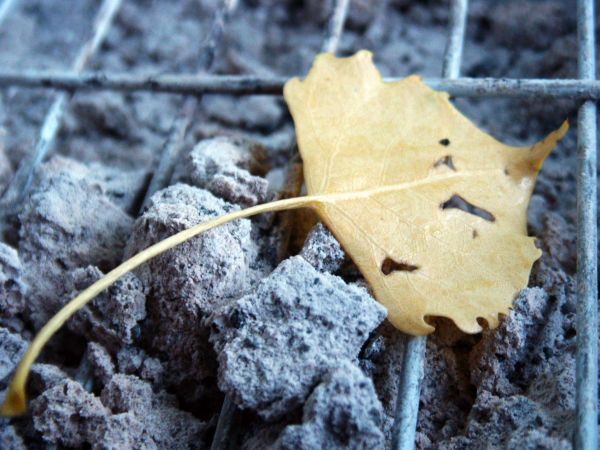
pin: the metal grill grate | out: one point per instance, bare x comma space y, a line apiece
585, 89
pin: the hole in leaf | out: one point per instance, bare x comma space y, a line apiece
457, 202
445, 142
389, 265
445, 161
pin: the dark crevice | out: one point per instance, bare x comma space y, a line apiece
445, 161
457, 202
389, 265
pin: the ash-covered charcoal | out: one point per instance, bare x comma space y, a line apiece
128, 414
69, 415
343, 412
322, 250
134, 361
10, 438
43, 377
276, 343
12, 286
524, 376
166, 425
12, 347
192, 280
97, 364
6, 170
66, 223
224, 166
113, 317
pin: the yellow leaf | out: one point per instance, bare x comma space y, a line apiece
390, 156
386, 167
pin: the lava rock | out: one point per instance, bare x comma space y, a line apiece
190, 281
112, 318
322, 250
343, 412
167, 426
12, 347
68, 414
277, 342
223, 166
12, 286
67, 223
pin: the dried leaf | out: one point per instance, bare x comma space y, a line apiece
397, 159
430, 208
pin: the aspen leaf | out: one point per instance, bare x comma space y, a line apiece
430, 208
400, 161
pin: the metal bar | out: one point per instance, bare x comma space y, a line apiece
220, 439
22, 179
335, 26
5, 7
174, 143
586, 432
245, 84
413, 362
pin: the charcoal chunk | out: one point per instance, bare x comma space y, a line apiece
12, 347
223, 166
343, 412
112, 318
277, 342
68, 414
322, 250
67, 222
167, 426
193, 279
12, 286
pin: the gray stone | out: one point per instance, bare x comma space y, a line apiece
190, 281
322, 250
100, 362
223, 166
68, 414
277, 342
43, 377
343, 412
111, 318
10, 438
67, 223
12, 347
12, 286
167, 426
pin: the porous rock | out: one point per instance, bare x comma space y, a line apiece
99, 362
68, 414
277, 342
12, 286
111, 318
190, 281
66, 223
167, 426
10, 438
128, 414
12, 347
223, 166
343, 412
322, 250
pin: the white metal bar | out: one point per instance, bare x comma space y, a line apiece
586, 432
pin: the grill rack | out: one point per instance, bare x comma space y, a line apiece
585, 89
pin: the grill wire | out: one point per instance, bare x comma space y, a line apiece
585, 89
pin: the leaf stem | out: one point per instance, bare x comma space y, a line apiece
15, 402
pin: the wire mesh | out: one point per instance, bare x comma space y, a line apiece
586, 88
22, 179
